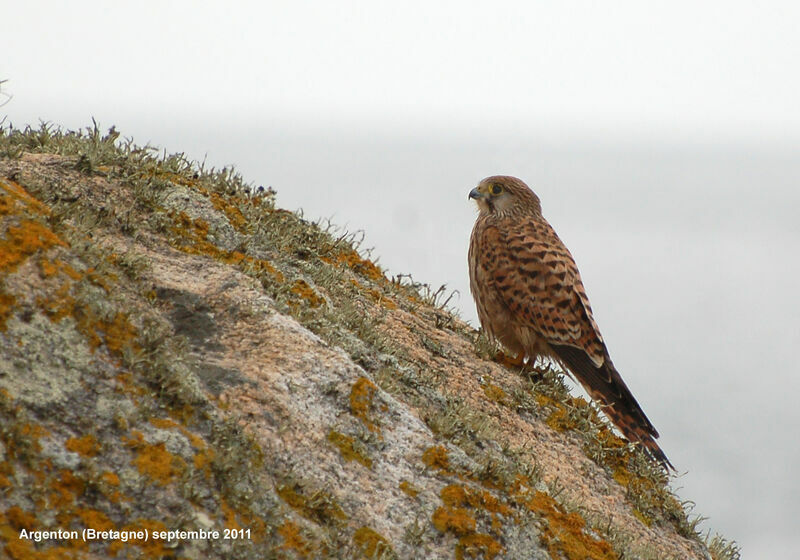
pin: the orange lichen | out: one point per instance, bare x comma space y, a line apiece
361, 402
16, 193
408, 488
18, 549
347, 448
182, 413
168, 424
154, 461
291, 497
7, 302
617, 455
196, 441
352, 260
456, 495
199, 225
642, 517
60, 306
24, 240
148, 548
370, 543
436, 458
305, 292
196, 232
7, 205
646, 496
566, 415
48, 268
261, 265
202, 460
455, 520
559, 419
105, 281
223, 204
45, 467
158, 463
126, 384
21, 519
69, 271
320, 507
232, 257
29, 435
86, 445
163, 423
495, 393
94, 519
65, 489
234, 215
381, 299
377, 296
230, 517
478, 544
254, 522
293, 540
563, 533
119, 333
459, 515
609, 439
110, 478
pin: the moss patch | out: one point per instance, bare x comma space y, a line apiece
349, 449
293, 539
87, 446
318, 506
371, 544
154, 461
436, 458
361, 402
408, 488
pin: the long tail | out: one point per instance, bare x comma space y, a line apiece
605, 385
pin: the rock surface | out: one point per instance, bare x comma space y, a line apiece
177, 354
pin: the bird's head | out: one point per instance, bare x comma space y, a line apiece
504, 195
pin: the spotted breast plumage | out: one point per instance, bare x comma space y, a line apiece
531, 300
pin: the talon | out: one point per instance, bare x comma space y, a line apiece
511, 363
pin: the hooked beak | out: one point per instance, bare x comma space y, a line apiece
476, 194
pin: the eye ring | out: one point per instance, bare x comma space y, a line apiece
496, 189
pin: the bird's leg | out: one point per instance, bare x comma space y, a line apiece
509, 362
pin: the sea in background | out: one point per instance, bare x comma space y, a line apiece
689, 248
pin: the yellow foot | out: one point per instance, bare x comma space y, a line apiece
512, 363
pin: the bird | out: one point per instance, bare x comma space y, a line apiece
531, 300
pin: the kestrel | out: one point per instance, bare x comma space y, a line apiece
531, 300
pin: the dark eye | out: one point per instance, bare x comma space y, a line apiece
497, 189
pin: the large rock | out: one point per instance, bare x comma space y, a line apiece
176, 354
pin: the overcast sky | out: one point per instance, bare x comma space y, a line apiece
726, 66
663, 139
